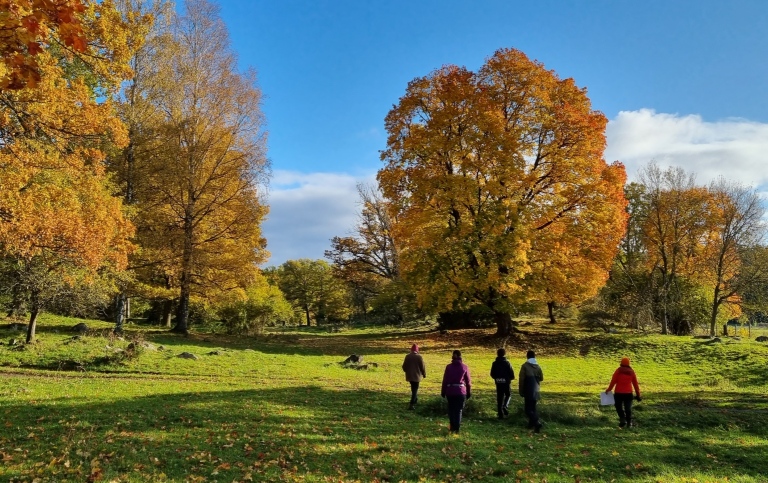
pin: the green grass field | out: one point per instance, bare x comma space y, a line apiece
281, 408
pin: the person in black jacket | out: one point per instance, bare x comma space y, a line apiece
502, 374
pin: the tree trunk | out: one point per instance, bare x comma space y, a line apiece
551, 310
32, 325
713, 315
306, 312
182, 311
503, 323
664, 317
33, 313
119, 313
167, 311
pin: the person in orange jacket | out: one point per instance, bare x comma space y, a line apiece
624, 379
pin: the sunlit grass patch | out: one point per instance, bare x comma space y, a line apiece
281, 408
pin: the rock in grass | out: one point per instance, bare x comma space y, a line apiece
80, 328
762, 338
187, 355
214, 353
70, 365
356, 362
143, 345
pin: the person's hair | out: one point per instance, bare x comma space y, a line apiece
456, 354
530, 355
501, 352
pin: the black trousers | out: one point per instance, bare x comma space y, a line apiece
623, 403
455, 407
503, 392
530, 411
414, 392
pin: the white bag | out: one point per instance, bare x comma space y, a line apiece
606, 399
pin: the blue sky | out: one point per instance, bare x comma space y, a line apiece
682, 82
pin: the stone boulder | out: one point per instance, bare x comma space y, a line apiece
80, 328
142, 345
762, 338
187, 355
353, 359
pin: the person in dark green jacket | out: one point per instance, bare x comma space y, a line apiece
531, 376
503, 375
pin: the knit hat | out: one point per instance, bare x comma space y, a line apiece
414, 348
625, 361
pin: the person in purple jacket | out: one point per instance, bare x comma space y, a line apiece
457, 388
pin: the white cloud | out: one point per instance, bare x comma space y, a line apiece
306, 210
736, 149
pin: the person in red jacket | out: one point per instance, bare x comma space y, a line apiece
624, 379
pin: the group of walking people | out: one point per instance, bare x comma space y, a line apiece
457, 386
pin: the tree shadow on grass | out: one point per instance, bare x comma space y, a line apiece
305, 344
282, 433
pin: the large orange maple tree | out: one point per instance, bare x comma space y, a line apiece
488, 172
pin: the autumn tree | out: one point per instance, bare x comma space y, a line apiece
258, 305
735, 229
28, 27
673, 234
131, 167
571, 259
196, 164
367, 260
628, 293
57, 212
753, 296
311, 287
484, 171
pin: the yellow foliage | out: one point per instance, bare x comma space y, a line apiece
498, 188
